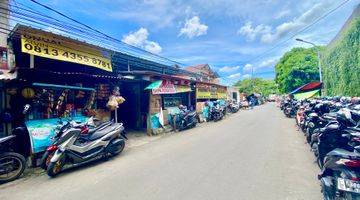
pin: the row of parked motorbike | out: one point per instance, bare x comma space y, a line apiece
74, 144
186, 119
331, 127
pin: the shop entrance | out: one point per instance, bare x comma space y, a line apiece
133, 111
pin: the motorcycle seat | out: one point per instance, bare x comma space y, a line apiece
344, 153
331, 127
98, 128
355, 129
328, 117
98, 134
7, 138
193, 113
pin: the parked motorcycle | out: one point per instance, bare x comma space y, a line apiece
185, 119
62, 129
78, 145
337, 135
233, 107
13, 153
216, 113
340, 177
12, 164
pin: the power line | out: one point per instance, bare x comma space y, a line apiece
75, 32
298, 32
109, 37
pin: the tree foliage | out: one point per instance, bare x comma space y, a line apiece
341, 62
296, 68
257, 85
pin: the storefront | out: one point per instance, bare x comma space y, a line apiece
165, 98
233, 94
209, 92
59, 78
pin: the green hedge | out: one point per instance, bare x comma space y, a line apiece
341, 67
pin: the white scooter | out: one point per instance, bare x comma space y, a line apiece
79, 145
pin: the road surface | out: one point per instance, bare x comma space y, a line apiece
254, 154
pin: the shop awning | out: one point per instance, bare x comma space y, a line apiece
166, 87
154, 85
306, 95
307, 87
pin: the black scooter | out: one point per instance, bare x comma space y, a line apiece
186, 119
13, 153
340, 177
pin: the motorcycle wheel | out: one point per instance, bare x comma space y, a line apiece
314, 148
11, 163
118, 150
45, 160
319, 162
55, 168
350, 196
327, 195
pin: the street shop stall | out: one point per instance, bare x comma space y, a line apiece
206, 95
59, 78
165, 98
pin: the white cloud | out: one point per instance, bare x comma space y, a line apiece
136, 38
282, 14
267, 63
229, 69
139, 38
245, 76
251, 32
247, 68
153, 47
297, 23
234, 76
193, 28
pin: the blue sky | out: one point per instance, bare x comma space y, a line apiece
228, 34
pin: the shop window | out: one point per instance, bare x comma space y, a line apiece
172, 101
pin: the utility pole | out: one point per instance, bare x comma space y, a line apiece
318, 55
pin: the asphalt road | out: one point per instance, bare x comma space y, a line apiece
254, 154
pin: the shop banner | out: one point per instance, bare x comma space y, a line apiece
165, 88
41, 132
221, 95
64, 50
204, 91
182, 88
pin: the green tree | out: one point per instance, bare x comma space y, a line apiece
296, 68
257, 85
